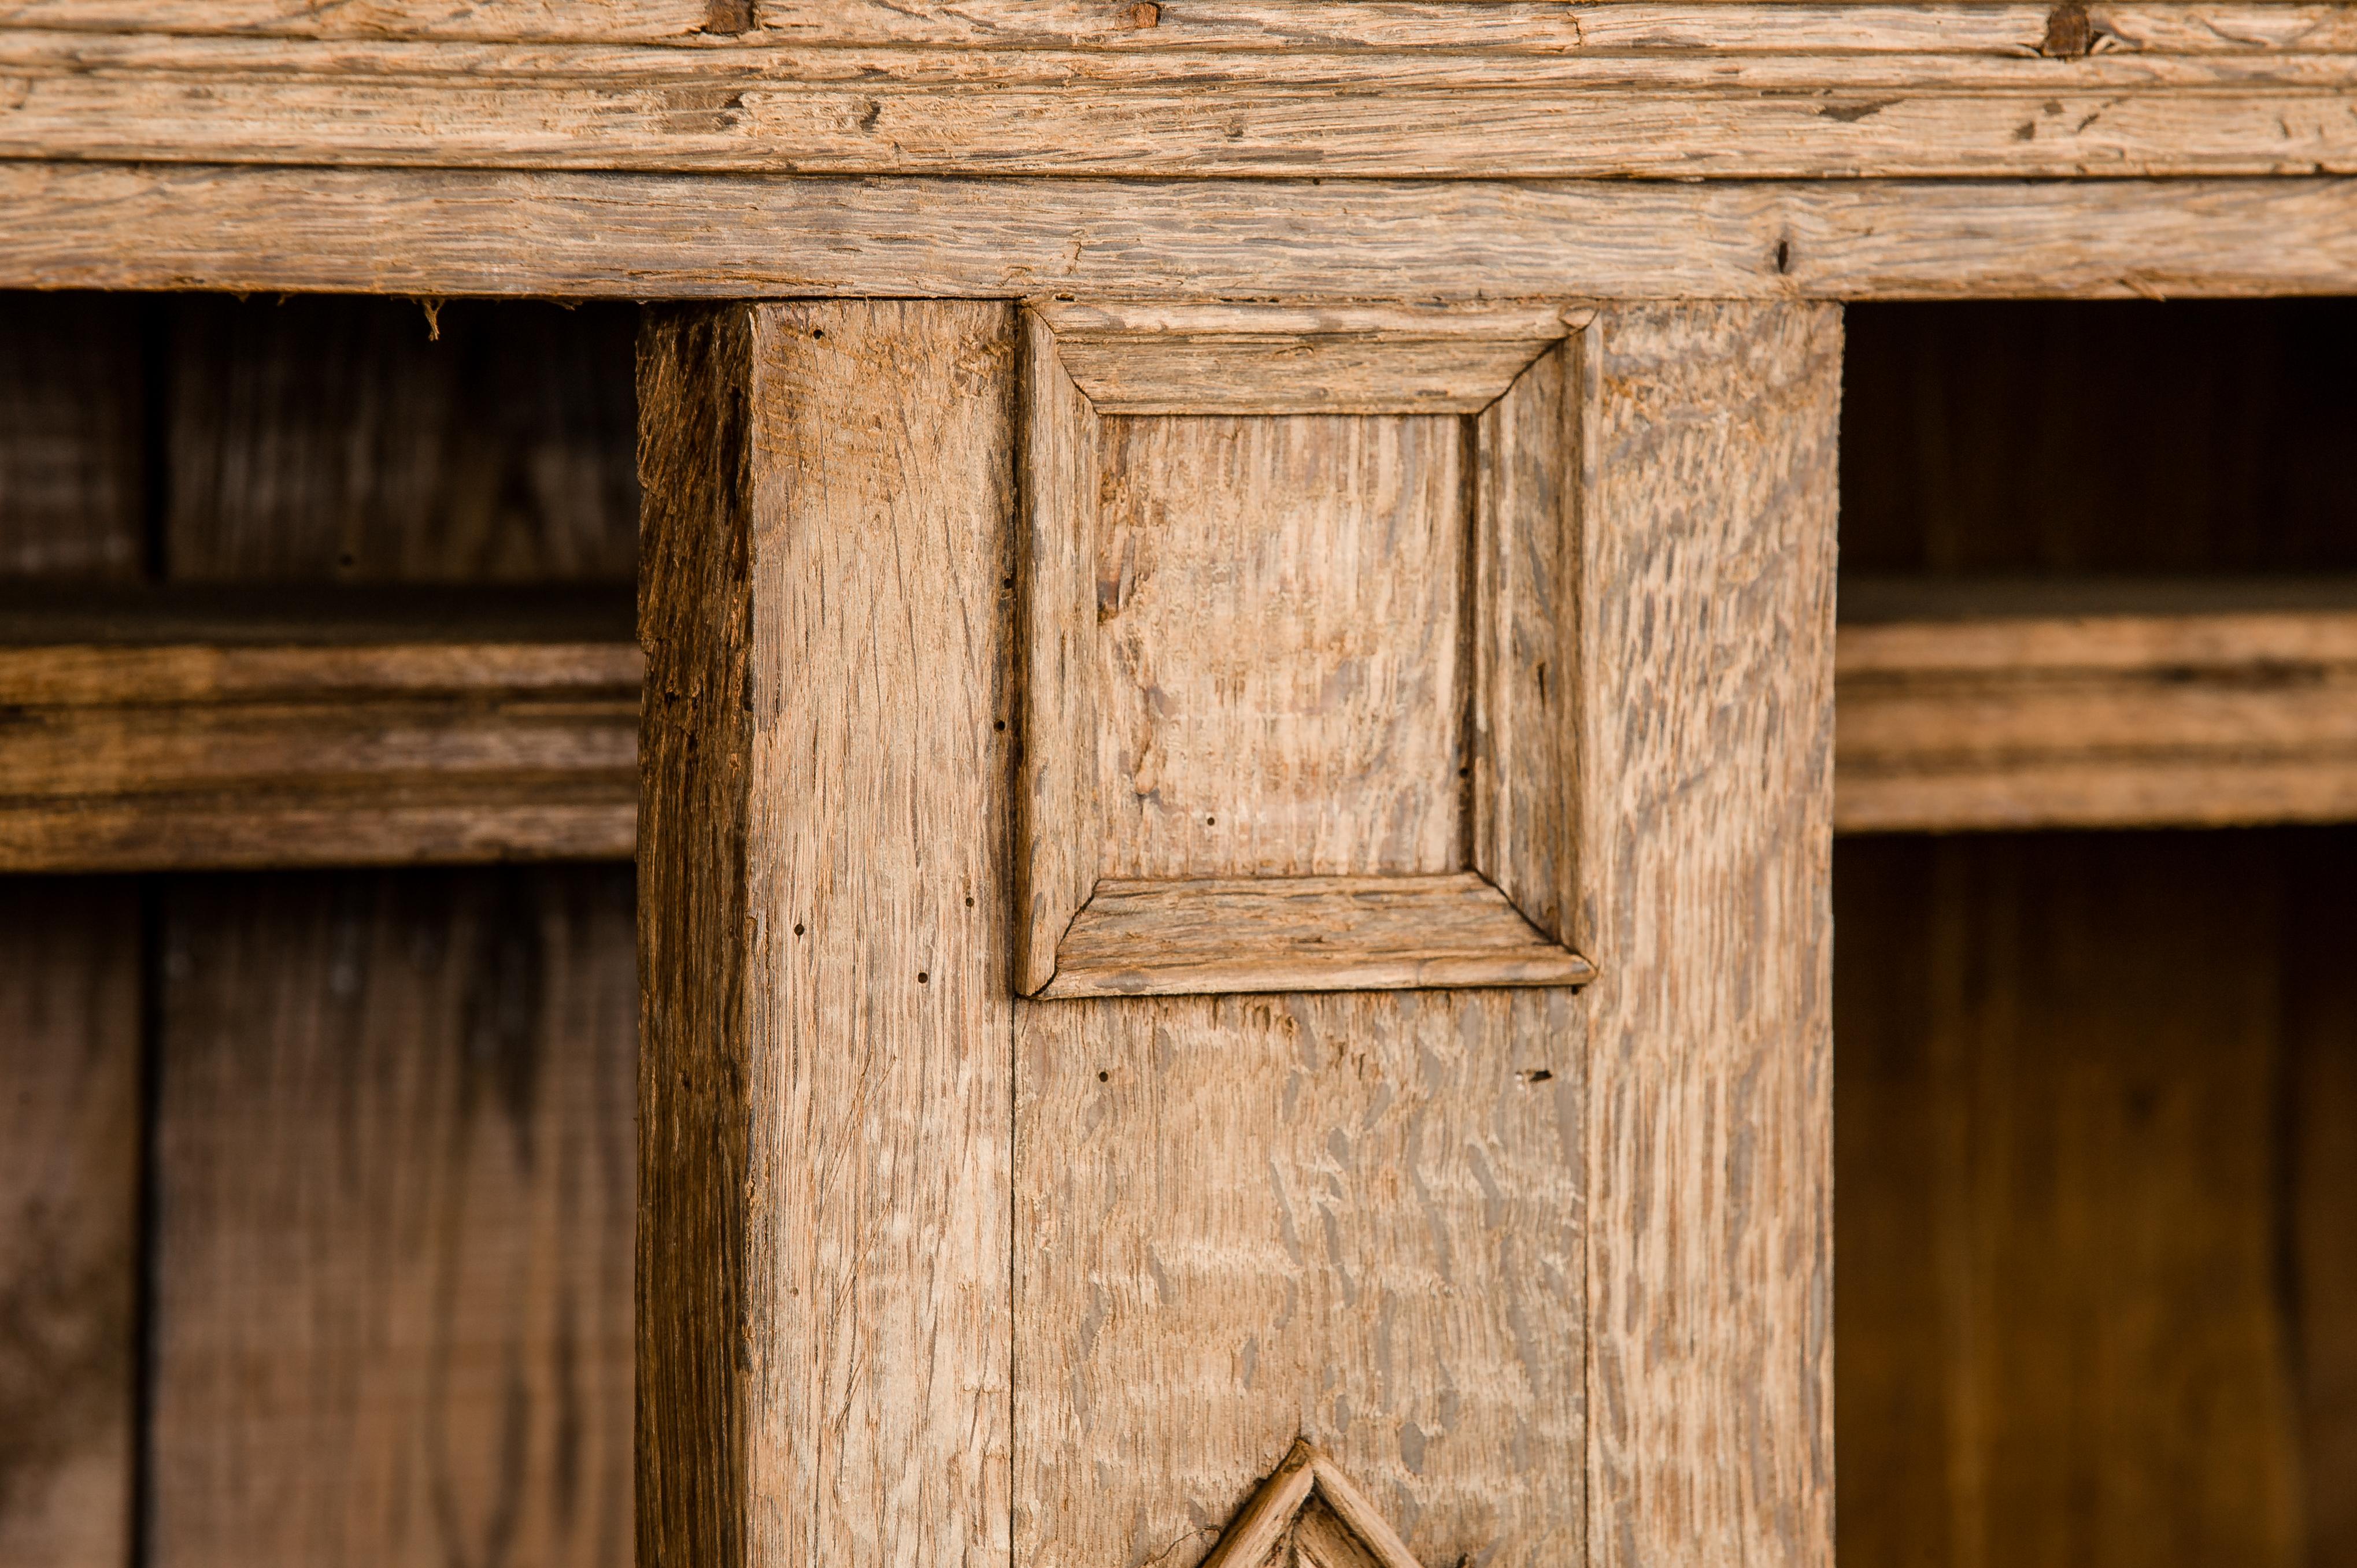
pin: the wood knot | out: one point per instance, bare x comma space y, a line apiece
2070, 32
729, 18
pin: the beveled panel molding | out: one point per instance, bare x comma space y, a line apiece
1310, 573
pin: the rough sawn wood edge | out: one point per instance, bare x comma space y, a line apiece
1259, 1528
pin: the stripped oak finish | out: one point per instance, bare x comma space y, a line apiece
458, 231
825, 1100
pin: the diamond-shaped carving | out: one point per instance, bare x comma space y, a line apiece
1308, 1514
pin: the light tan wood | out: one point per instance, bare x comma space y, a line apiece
1245, 1219
1309, 1513
825, 1100
1708, 653
456, 232
1598, 26
1141, 938
1148, 358
1283, 661
288, 742
70, 1075
1278, 690
390, 1265
2210, 705
1298, 110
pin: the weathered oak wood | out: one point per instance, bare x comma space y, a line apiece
71, 1173
1297, 110
457, 232
1708, 644
2207, 705
391, 1265
825, 1094
1138, 937
311, 738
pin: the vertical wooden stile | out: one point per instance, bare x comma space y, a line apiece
825, 603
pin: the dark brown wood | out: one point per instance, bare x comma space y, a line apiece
69, 1095
385, 732
2094, 1259
372, 441
73, 381
393, 1309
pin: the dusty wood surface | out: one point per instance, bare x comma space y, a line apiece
1286, 106
2207, 705
1245, 1218
1708, 650
280, 743
392, 1261
2095, 1286
823, 1272
70, 1072
1138, 937
437, 232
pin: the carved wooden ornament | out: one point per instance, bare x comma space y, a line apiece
1300, 661
1308, 1514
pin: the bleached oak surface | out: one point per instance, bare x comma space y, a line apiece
449, 232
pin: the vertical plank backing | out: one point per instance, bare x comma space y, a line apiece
2067, 1207
392, 1316
328, 439
69, 1090
1708, 538
2319, 1110
1277, 604
72, 446
1248, 1218
823, 1279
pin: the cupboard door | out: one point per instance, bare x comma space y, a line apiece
1235, 931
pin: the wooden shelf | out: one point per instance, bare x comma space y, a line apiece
191, 731
186, 732
2095, 704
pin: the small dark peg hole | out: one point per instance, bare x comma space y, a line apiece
1000, 724
1211, 821
1007, 582
1102, 1077
1465, 772
818, 331
922, 978
798, 930
969, 903
1538, 1075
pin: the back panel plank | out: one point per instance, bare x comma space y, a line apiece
73, 402
69, 1093
393, 1260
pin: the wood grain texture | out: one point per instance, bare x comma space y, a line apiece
271, 743
1526, 796
73, 390
1242, 1219
824, 1273
70, 1074
362, 441
1138, 938
1598, 26
1062, 813
1996, 707
2075, 1281
487, 233
393, 1133
1137, 358
1708, 532
1279, 690
1285, 108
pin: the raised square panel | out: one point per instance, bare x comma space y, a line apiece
1299, 600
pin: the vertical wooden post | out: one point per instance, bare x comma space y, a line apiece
824, 1091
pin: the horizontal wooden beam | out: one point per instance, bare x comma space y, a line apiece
443, 233
2196, 705
390, 733
1247, 101
511, 732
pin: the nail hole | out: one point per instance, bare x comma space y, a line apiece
1000, 724
1538, 1075
798, 930
818, 331
1211, 821
969, 903
922, 978
1102, 1077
